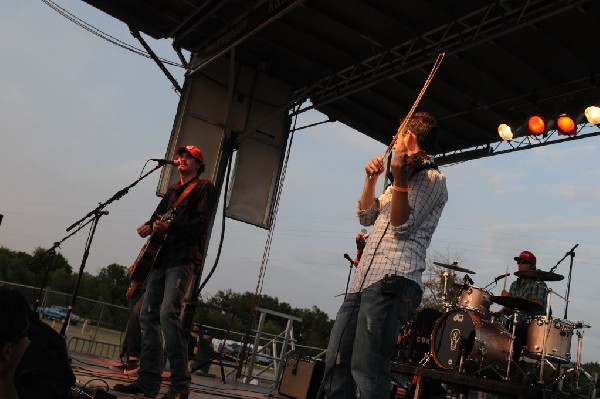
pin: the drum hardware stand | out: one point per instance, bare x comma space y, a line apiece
547, 328
577, 370
447, 306
425, 360
511, 348
461, 358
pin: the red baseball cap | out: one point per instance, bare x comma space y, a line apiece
193, 151
526, 256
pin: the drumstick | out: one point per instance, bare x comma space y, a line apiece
505, 276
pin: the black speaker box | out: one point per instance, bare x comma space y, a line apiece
301, 378
45, 370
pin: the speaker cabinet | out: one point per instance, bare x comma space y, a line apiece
301, 378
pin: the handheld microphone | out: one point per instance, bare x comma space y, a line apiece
164, 161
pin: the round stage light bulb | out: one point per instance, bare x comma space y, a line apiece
536, 124
593, 114
565, 124
505, 132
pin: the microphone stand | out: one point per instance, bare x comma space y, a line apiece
346, 256
571, 253
52, 252
115, 197
96, 214
86, 253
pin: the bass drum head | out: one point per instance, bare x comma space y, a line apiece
454, 333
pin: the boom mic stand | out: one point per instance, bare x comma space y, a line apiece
95, 216
86, 253
571, 253
52, 252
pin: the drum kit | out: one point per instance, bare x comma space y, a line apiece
468, 337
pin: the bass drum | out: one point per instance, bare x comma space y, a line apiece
414, 339
481, 342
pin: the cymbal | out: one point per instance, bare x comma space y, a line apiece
512, 302
539, 275
454, 266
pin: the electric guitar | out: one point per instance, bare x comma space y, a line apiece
139, 270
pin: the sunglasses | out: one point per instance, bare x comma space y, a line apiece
523, 262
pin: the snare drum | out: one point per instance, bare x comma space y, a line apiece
481, 342
558, 334
475, 299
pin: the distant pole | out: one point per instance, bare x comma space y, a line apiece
1, 216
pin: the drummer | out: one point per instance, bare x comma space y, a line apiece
532, 290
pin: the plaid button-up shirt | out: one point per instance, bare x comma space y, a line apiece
401, 249
530, 290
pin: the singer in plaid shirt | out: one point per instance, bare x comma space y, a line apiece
387, 283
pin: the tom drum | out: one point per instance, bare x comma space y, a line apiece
475, 299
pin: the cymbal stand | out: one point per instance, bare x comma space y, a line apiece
516, 315
546, 332
548, 326
577, 369
445, 275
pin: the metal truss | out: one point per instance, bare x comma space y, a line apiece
495, 20
584, 130
241, 30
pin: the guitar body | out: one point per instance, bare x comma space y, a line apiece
139, 271
143, 264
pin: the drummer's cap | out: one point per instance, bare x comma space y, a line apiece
527, 257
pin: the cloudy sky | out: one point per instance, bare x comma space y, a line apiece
80, 117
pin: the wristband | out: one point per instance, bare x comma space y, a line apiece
400, 189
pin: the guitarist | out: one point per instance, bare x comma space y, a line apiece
183, 235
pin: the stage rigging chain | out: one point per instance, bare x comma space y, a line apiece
267, 250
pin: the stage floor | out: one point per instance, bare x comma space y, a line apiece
93, 373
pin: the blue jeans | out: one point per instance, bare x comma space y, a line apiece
362, 341
166, 290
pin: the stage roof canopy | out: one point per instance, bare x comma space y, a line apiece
363, 62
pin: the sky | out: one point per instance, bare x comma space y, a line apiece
81, 116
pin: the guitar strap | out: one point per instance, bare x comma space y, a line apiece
185, 193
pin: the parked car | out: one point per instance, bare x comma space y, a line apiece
56, 312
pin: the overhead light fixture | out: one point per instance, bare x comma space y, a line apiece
505, 132
593, 114
566, 125
536, 124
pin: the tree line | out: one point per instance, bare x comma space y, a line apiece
225, 310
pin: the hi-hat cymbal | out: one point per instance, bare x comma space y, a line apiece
454, 266
512, 302
539, 275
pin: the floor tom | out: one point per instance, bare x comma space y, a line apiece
557, 333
